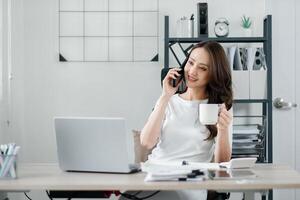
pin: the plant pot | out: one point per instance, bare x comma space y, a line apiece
247, 32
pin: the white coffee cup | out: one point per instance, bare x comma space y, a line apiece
208, 113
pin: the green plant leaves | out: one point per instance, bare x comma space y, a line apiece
246, 22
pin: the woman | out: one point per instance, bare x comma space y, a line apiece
174, 129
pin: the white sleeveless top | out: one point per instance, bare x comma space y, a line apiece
182, 135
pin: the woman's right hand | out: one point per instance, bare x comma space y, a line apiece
168, 89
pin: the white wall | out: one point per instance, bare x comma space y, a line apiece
43, 87
4, 32
1, 74
232, 10
13, 72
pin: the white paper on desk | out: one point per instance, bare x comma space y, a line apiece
166, 175
236, 163
171, 177
155, 166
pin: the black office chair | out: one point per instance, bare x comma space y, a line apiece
213, 195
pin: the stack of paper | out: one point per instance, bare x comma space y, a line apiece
175, 175
177, 171
246, 129
190, 171
247, 141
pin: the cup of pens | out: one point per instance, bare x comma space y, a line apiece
8, 161
185, 27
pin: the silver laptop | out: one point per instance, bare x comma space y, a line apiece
93, 145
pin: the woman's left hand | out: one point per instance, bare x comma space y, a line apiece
224, 119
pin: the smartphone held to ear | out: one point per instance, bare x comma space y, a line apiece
176, 81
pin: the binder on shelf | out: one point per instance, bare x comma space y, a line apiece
240, 78
251, 51
237, 62
258, 76
230, 55
258, 84
240, 84
242, 58
249, 74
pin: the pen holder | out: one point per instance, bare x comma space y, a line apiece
8, 166
185, 27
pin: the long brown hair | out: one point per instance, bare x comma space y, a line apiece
219, 87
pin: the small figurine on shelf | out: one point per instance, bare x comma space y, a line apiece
246, 24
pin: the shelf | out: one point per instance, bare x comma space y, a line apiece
250, 101
221, 39
265, 154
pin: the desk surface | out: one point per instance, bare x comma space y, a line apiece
50, 177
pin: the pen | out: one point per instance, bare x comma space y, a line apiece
1, 156
191, 179
4, 148
1, 149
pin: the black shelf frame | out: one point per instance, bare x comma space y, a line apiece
266, 40
251, 101
221, 39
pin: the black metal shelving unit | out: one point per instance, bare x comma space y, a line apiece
266, 40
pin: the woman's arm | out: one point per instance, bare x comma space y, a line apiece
223, 148
151, 131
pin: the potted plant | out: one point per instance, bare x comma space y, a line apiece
246, 24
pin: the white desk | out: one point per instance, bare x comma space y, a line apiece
50, 177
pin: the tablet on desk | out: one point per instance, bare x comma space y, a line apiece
231, 174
